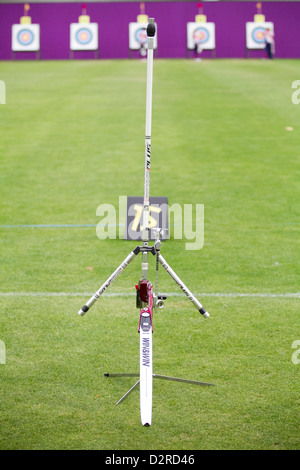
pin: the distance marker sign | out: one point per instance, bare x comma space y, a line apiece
158, 217
25, 37
84, 36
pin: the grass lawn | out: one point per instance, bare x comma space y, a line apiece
72, 138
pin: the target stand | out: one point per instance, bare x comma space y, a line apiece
37, 54
25, 38
84, 37
255, 36
200, 38
138, 40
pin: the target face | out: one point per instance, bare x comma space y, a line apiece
25, 38
141, 36
258, 35
84, 37
201, 35
138, 36
255, 34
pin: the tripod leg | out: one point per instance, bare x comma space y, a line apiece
183, 286
127, 393
121, 375
107, 283
124, 375
176, 379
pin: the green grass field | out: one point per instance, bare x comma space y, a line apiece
72, 138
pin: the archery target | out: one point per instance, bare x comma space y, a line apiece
202, 35
138, 36
26, 37
255, 34
83, 36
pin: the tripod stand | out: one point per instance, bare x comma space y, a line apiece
146, 300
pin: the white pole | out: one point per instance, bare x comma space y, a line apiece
150, 34
145, 329
146, 366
